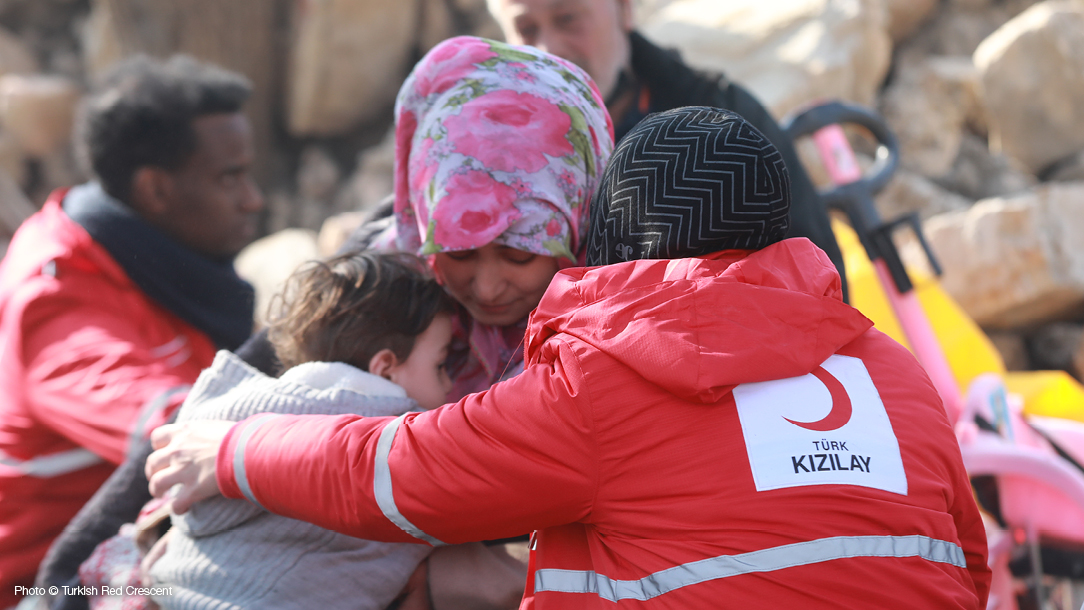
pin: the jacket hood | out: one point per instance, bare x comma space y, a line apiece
699, 326
50, 235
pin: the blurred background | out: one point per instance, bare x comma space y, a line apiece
986, 96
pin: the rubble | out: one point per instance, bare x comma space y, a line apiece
346, 62
268, 261
1013, 349
928, 106
909, 192
977, 173
1054, 346
1033, 80
38, 111
905, 16
788, 52
15, 57
1017, 261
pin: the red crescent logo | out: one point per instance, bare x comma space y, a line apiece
841, 405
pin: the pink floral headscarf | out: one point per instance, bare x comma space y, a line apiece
497, 144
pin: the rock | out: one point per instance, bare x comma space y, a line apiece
1054, 346
38, 111
1078, 361
279, 206
1033, 77
11, 159
904, 16
928, 105
311, 213
374, 178
972, 4
960, 26
1068, 170
485, 26
100, 39
241, 35
347, 60
437, 23
469, 6
335, 230
811, 160
318, 175
978, 173
267, 262
788, 52
909, 192
645, 10
1014, 262
958, 76
1013, 350
14, 205
66, 62
15, 57
59, 169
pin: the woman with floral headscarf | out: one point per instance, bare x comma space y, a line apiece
498, 149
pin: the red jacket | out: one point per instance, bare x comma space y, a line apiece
86, 361
693, 433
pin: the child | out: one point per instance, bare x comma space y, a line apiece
363, 333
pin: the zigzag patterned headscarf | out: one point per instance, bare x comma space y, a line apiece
689, 182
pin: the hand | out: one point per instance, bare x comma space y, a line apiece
184, 461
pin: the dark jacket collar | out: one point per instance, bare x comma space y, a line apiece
207, 294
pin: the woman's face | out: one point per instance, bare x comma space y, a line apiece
498, 285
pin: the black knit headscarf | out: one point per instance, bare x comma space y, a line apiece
688, 182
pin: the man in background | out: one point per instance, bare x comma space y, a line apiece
118, 292
637, 78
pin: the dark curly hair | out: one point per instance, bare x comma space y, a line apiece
348, 308
142, 111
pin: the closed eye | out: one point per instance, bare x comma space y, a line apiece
461, 255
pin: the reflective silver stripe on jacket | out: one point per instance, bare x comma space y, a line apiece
767, 560
54, 465
382, 484
239, 474
72, 460
174, 352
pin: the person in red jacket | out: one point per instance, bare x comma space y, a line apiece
116, 294
701, 422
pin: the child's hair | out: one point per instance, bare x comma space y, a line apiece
348, 308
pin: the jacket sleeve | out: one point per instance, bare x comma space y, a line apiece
117, 502
90, 376
517, 457
972, 535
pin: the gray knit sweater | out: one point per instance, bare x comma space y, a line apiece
229, 554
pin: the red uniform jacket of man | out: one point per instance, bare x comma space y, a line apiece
87, 360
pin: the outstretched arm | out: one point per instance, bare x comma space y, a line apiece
518, 457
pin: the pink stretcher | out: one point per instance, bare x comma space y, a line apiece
1036, 463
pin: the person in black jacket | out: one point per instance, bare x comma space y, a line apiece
637, 78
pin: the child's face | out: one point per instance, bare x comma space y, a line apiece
422, 374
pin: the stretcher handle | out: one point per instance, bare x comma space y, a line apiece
854, 191
815, 118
